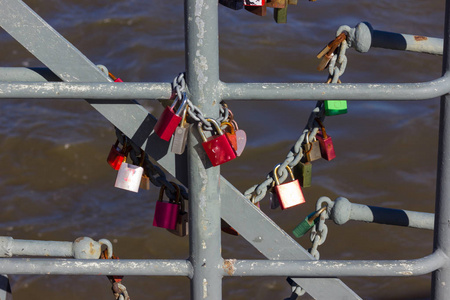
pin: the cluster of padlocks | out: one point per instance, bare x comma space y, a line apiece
259, 7
224, 143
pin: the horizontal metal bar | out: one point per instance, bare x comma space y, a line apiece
335, 268
153, 267
407, 42
343, 210
85, 90
231, 91
347, 91
363, 37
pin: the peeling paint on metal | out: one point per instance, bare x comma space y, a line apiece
200, 65
229, 267
419, 38
205, 288
203, 244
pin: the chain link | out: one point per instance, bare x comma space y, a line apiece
195, 114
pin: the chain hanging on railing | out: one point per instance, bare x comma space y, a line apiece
336, 66
118, 288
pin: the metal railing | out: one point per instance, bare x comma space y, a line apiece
205, 266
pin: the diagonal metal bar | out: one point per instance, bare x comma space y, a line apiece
71, 65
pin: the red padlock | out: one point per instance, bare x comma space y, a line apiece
217, 147
289, 194
326, 144
169, 120
254, 2
117, 156
166, 213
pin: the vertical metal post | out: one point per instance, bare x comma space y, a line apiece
441, 277
202, 77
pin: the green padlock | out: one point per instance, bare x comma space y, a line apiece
335, 107
302, 228
303, 172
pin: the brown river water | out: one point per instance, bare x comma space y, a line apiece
56, 185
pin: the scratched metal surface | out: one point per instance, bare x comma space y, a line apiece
56, 185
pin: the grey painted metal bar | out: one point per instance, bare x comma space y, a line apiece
363, 37
11, 247
202, 77
343, 210
148, 267
138, 127
348, 91
338, 268
231, 91
441, 277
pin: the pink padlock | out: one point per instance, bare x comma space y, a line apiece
169, 120
166, 213
326, 144
217, 147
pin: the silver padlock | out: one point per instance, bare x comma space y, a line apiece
180, 135
129, 177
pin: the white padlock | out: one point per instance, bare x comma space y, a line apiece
129, 177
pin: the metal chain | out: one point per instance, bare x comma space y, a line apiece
179, 87
120, 291
336, 68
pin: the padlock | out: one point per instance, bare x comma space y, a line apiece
241, 136
335, 107
233, 4
166, 213
254, 2
169, 120
312, 149
116, 155
230, 133
180, 135
276, 3
145, 180
217, 147
303, 172
289, 194
326, 144
302, 228
273, 200
257, 10
280, 14
181, 228
129, 177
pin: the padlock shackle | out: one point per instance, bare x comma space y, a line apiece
163, 188
322, 128
182, 105
200, 130
275, 174
313, 216
216, 125
228, 124
183, 118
